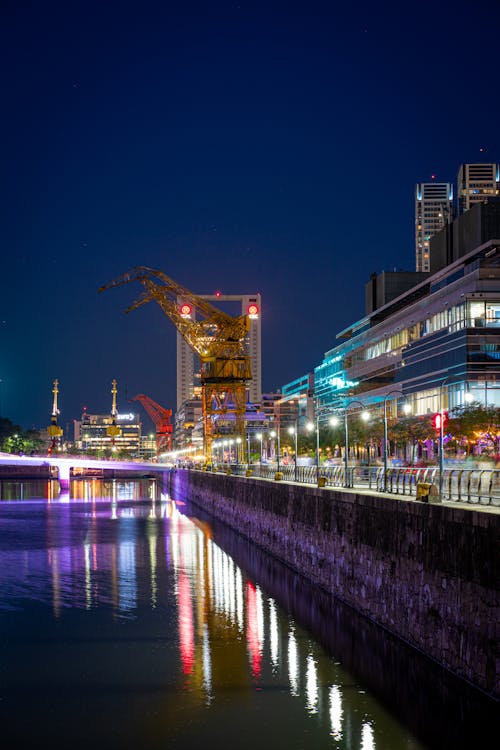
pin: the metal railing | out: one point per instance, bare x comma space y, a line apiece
462, 485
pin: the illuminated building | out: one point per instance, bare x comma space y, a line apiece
188, 423
91, 433
187, 363
444, 325
147, 447
296, 401
477, 183
433, 209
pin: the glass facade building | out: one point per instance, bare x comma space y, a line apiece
443, 331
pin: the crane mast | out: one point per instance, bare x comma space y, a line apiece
54, 431
112, 429
217, 338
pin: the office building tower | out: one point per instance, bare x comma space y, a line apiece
476, 183
433, 210
187, 362
185, 371
91, 433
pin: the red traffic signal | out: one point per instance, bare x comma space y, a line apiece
436, 420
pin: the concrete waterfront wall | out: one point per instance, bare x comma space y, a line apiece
426, 572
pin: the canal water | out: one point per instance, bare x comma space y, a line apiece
130, 620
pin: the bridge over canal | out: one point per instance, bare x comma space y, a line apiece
63, 468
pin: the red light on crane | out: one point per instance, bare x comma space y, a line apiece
252, 310
186, 310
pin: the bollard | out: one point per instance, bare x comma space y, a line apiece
426, 490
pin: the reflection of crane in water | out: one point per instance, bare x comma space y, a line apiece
161, 418
216, 337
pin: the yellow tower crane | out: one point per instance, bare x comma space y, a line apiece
54, 431
113, 430
216, 337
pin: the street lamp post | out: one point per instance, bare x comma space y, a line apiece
259, 436
385, 433
311, 426
248, 449
441, 436
467, 398
293, 431
272, 435
365, 416
238, 449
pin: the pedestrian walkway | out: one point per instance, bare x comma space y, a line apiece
466, 487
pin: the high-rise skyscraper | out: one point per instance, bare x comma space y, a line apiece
433, 209
187, 362
476, 183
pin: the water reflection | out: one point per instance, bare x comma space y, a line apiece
212, 638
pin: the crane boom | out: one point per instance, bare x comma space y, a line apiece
217, 338
161, 419
213, 333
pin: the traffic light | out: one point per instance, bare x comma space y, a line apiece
436, 420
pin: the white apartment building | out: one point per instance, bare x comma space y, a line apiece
476, 183
187, 362
433, 209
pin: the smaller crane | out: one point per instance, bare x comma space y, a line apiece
161, 420
113, 430
54, 431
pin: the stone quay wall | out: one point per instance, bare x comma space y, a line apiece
425, 571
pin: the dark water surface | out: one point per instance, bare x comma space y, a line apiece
130, 620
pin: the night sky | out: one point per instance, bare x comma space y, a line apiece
237, 146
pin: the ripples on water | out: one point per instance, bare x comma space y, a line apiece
130, 620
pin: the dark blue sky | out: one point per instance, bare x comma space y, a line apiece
240, 146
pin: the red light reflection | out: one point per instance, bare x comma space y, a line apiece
253, 635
